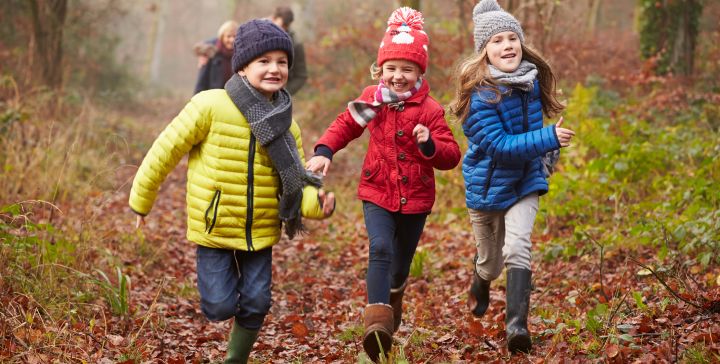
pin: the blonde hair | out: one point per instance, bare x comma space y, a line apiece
375, 71
228, 26
473, 74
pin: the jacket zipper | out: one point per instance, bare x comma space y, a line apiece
491, 170
250, 191
214, 203
526, 123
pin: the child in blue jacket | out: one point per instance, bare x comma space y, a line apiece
503, 90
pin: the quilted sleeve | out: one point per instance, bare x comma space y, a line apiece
187, 129
447, 151
483, 127
310, 206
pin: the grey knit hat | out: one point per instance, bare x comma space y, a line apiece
256, 37
491, 19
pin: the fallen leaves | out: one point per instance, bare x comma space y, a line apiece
319, 294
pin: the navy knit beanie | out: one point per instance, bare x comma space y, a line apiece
256, 37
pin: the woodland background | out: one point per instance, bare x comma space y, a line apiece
626, 246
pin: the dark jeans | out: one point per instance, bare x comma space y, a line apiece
235, 283
393, 240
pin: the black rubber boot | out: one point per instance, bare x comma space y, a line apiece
518, 304
479, 295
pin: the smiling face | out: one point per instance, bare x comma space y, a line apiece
267, 73
400, 75
504, 51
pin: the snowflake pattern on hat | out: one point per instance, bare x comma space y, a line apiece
405, 38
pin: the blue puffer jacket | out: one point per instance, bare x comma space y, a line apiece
506, 141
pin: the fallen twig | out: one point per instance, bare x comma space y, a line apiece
602, 260
652, 271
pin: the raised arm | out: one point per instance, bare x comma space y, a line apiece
188, 128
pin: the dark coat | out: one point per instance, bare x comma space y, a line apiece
298, 73
213, 74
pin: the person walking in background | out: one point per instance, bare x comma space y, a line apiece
217, 68
283, 16
245, 180
502, 92
408, 138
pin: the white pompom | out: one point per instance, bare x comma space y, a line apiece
407, 16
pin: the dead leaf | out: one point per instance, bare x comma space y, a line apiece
612, 351
300, 330
643, 273
476, 328
115, 340
446, 339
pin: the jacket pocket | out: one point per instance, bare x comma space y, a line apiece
425, 179
370, 172
373, 175
212, 211
491, 171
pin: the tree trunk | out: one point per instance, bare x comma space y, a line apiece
415, 4
463, 22
669, 32
593, 15
158, 33
682, 58
48, 21
512, 6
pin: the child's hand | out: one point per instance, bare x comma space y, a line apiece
317, 163
421, 133
327, 200
564, 135
140, 221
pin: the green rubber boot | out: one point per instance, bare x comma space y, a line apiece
240, 344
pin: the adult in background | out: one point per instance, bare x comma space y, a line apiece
283, 17
217, 66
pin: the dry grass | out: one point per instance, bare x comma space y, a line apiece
63, 159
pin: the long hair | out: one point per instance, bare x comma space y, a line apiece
473, 74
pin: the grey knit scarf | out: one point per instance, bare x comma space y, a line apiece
521, 78
270, 124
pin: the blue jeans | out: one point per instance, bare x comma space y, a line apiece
235, 283
393, 240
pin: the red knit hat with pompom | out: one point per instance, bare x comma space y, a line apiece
405, 38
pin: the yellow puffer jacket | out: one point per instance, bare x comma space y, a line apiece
232, 186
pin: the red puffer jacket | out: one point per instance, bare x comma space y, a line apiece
396, 175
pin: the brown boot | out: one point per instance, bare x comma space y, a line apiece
396, 297
378, 330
